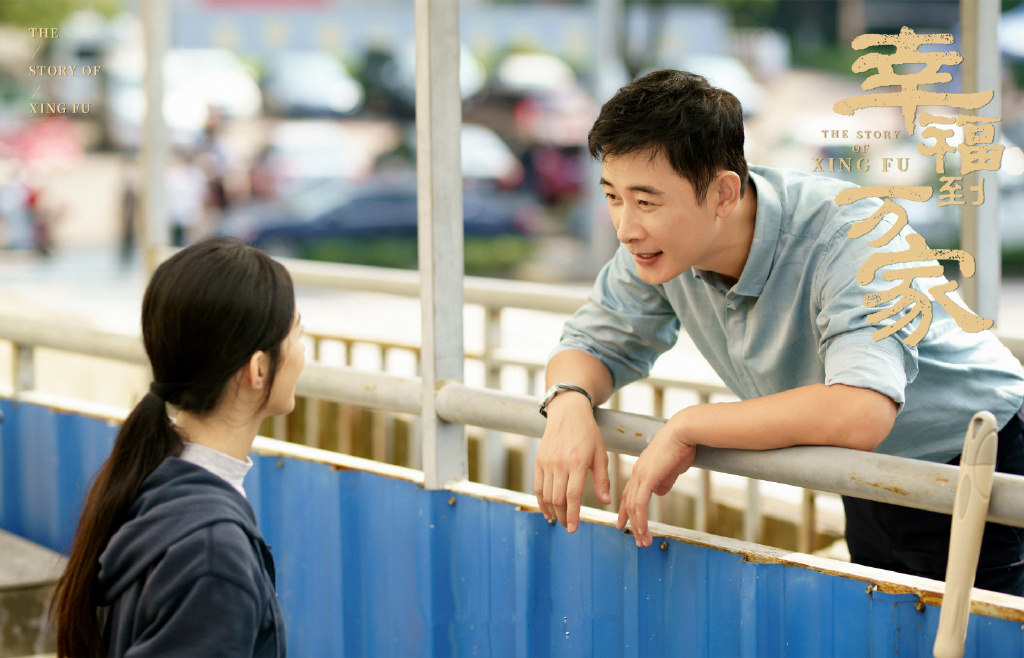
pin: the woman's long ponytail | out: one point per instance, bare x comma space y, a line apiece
146, 438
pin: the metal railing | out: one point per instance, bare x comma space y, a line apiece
867, 475
494, 296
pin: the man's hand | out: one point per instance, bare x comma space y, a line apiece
663, 460
571, 446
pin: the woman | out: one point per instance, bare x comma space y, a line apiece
167, 559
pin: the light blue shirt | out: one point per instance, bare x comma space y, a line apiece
797, 317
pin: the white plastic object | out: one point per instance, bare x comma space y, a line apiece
973, 491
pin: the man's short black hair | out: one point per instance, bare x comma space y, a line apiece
698, 127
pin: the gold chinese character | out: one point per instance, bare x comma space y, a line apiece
885, 192
979, 189
918, 253
984, 156
909, 97
951, 192
978, 130
941, 146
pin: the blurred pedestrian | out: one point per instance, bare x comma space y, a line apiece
15, 214
215, 161
129, 212
186, 195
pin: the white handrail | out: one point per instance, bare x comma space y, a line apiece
885, 478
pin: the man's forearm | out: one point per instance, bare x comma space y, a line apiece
580, 369
839, 415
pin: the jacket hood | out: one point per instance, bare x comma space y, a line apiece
176, 499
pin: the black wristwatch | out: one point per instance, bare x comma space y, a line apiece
558, 388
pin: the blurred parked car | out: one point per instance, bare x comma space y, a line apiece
535, 102
303, 154
487, 160
376, 223
196, 82
303, 83
534, 98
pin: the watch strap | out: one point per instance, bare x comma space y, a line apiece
558, 388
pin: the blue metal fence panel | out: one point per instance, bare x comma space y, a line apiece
47, 462
371, 565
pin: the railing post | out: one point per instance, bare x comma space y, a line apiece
808, 523
492, 458
24, 369
155, 152
704, 509
752, 514
979, 224
311, 432
441, 259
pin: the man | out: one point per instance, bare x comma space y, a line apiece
757, 265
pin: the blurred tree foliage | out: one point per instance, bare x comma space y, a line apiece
50, 13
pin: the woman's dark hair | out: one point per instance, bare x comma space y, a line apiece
205, 312
698, 127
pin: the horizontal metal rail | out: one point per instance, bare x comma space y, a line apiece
77, 339
483, 291
909, 482
501, 293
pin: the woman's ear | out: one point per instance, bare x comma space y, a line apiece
257, 369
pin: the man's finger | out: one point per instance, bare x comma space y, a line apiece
602, 483
640, 515
574, 497
538, 490
559, 481
635, 500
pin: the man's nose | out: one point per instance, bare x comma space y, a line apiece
628, 228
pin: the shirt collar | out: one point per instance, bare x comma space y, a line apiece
767, 223
227, 467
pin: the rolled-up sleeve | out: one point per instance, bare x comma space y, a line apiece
883, 366
626, 323
848, 348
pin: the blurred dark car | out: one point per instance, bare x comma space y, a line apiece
376, 224
305, 153
487, 161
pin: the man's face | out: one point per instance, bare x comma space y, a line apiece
657, 216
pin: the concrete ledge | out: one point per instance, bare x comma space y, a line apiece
28, 574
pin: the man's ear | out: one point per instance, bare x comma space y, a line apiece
728, 185
256, 369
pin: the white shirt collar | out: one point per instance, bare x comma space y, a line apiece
225, 466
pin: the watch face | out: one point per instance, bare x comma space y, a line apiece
547, 398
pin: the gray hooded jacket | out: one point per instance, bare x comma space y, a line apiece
189, 574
